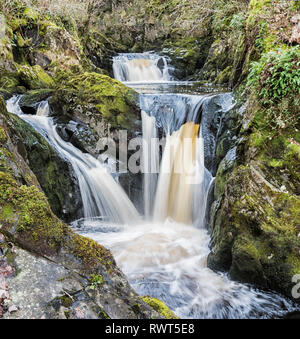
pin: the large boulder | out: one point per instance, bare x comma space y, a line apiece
255, 232
254, 221
98, 103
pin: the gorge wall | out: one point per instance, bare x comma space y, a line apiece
249, 46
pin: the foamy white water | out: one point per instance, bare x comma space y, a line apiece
141, 67
101, 195
168, 261
150, 162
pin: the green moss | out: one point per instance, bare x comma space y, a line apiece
95, 280
294, 261
256, 234
9, 81
35, 219
108, 98
159, 307
89, 251
66, 301
3, 136
34, 77
224, 76
256, 7
104, 315
67, 314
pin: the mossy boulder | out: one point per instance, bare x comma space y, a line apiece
54, 174
255, 232
160, 307
107, 99
34, 77
9, 82
98, 105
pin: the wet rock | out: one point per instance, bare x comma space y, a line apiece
254, 231
55, 175
31, 99
5, 269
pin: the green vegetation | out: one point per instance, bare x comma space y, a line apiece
276, 80
159, 307
95, 281
108, 98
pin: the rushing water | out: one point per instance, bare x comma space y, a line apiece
102, 197
137, 67
165, 255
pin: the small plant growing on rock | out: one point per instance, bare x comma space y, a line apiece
96, 280
276, 80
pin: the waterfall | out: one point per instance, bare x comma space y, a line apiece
102, 197
174, 196
164, 256
150, 161
138, 67
183, 184
171, 110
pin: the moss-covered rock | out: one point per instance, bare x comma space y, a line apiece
108, 99
34, 77
54, 174
160, 307
255, 232
91, 106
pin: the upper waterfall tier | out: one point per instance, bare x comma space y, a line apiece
141, 67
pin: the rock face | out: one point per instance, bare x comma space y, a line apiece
93, 111
79, 277
54, 174
255, 223
97, 100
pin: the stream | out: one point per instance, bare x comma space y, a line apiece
163, 252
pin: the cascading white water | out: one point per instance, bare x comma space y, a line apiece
137, 67
150, 161
183, 181
167, 259
102, 197
171, 110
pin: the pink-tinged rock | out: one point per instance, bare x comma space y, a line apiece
4, 294
79, 314
3, 284
13, 309
296, 29
295, 19
1, 311
5, 269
